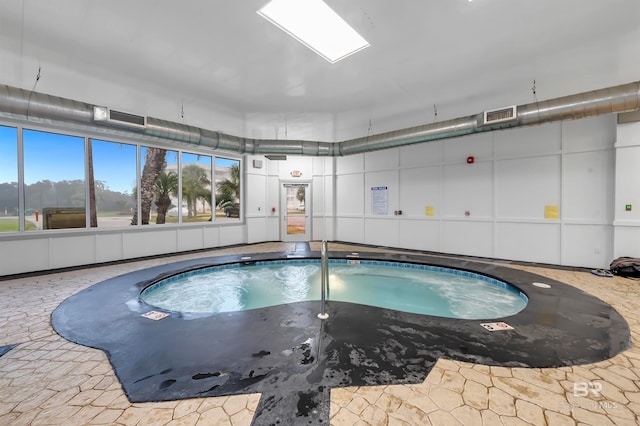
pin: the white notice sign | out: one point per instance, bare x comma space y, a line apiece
379, 200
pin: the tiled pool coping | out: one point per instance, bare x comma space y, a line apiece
403, 265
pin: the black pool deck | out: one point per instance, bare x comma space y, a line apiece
294, 359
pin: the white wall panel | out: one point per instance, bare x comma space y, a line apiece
255, 205
589, 186
387, 159
273, 196
211, 237
478, 145
190, 238
628, 134
349, 194
272, 228
296, 162
468, 187
350, 164
254, 170
533, 242
528, 141
423, 154
230, 235
272, 166
469, 238
589, 133
588, 245
323, 228
420, 234
318, 166
149, 242
109, 247
419, 188
318, 196
319, 229
525, 186
627, 184
328, 195
626, 241
349, 229
381, 179
256, 229
382, 232
27, 255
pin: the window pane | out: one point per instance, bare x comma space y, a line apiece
158, 182
111, 196
54, 181
227, 179
9, 220
196, 189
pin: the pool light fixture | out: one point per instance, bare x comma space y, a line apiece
316, 25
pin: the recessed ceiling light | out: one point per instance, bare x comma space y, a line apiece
315, 25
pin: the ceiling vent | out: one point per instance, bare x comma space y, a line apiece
501, 115
118, 117
276, 157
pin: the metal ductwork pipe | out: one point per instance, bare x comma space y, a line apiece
20, 104
429, 132
33, 106
621, 98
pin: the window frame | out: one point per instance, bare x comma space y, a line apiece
139, 142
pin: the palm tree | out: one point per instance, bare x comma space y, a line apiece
228, 191
154, 163
194, 180
93, 209
166, 185
300, 194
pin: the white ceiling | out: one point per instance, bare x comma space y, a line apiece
463, 57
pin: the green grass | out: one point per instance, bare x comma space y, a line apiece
185, 219
12, 225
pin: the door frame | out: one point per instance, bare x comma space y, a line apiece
284, 236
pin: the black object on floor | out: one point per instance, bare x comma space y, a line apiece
5, 349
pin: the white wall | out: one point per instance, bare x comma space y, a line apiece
575, 165
263, 195
627, 181
67, 248
496, 206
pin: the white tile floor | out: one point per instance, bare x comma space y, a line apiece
47, 380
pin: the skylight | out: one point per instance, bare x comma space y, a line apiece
315, 25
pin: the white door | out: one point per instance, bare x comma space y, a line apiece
296, 209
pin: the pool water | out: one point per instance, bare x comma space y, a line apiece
418, 289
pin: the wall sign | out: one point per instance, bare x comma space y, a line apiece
379, 200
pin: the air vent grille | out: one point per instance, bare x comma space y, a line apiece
119, 118
123, 117
501, 115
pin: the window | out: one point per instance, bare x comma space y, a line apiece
227, 180
112, 183
69, 181
196, 188
9, 209
54, 188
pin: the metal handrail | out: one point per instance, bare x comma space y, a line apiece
324, 278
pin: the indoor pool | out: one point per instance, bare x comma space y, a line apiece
419, 289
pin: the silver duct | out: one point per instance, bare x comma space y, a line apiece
20, 104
